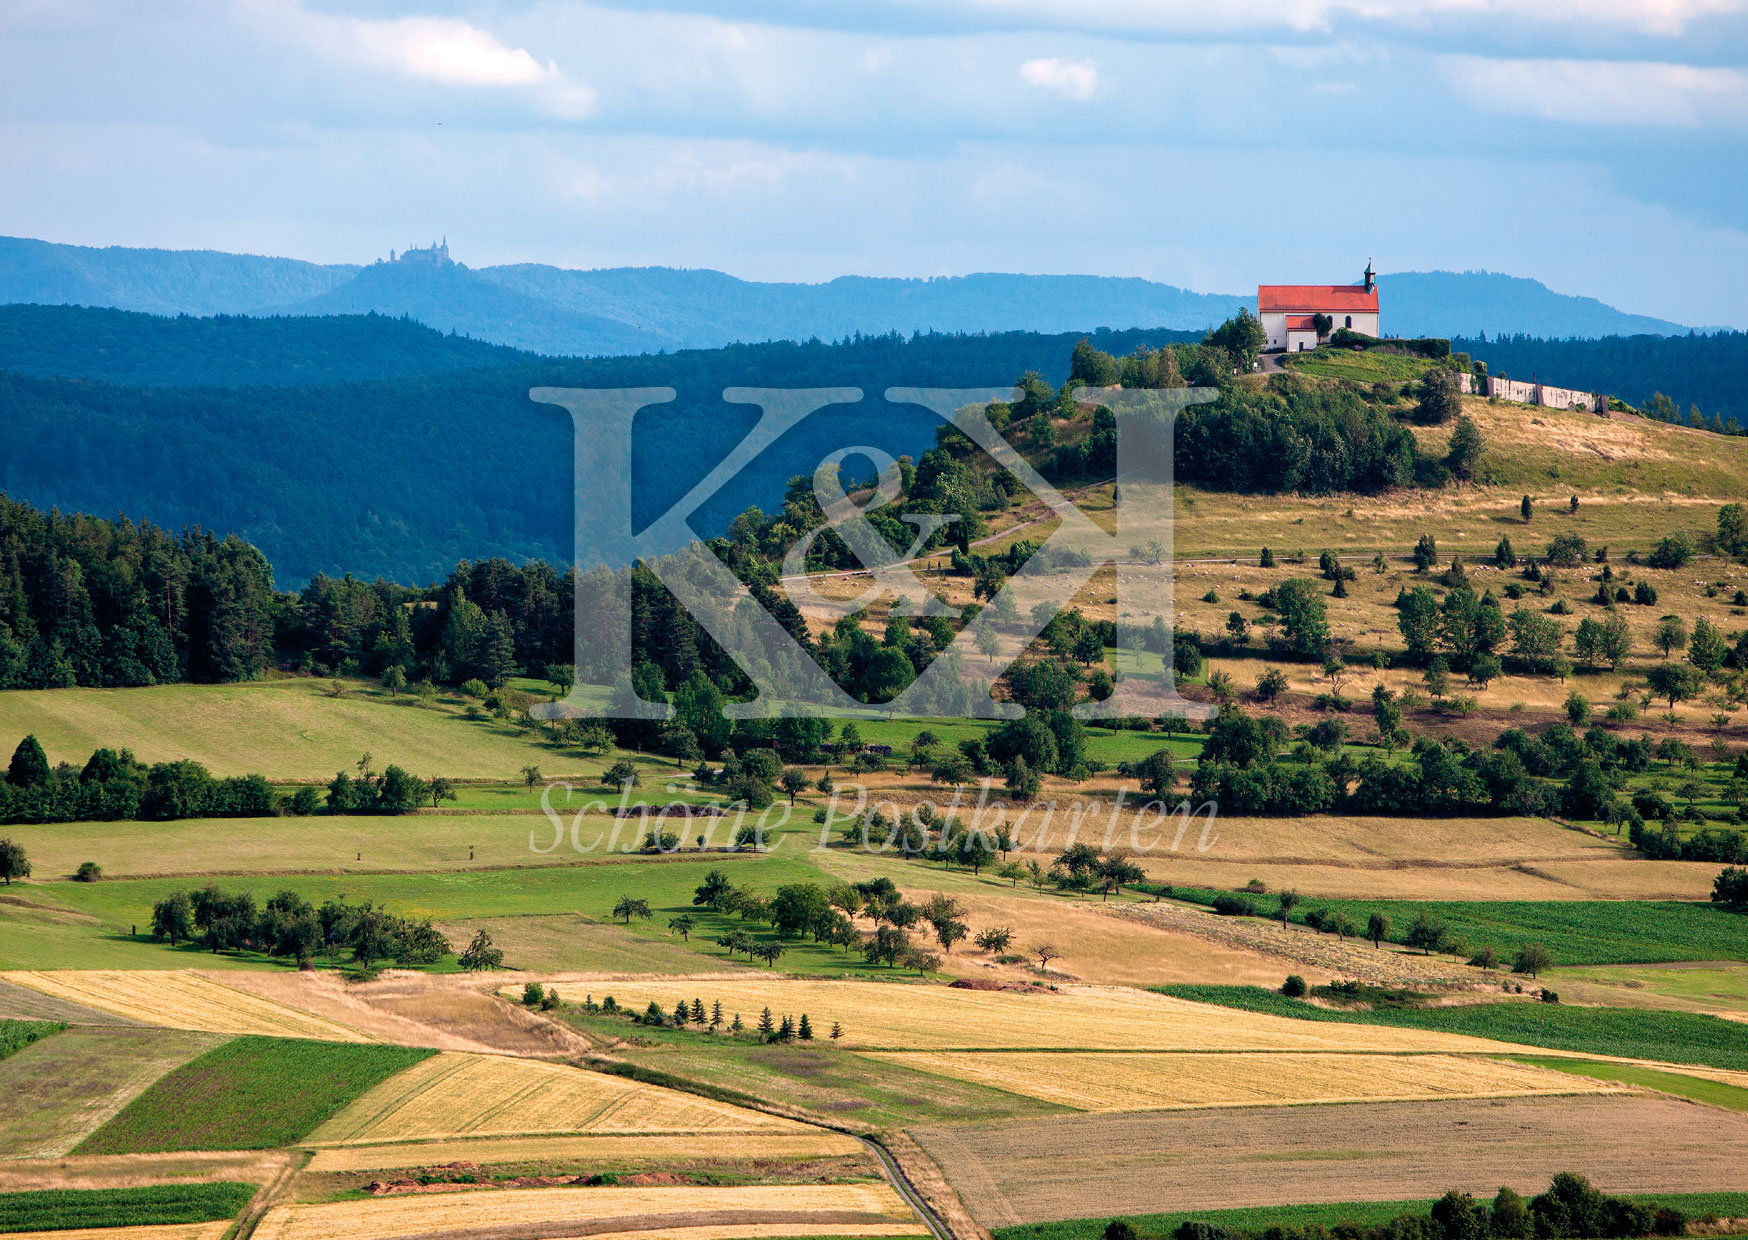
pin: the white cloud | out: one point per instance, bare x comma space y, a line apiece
1667, 18
1070, 79
1600, 92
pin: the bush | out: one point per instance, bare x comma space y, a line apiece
533, 993
1233, 906
1294, 987
88, 872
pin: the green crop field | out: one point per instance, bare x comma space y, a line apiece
1577, 932
1329, 1214
63, 1209
1357, 366
1631, 1033
15, 1035
250, 1093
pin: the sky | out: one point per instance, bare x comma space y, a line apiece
1600, 146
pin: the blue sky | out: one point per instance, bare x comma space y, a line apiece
1597, 145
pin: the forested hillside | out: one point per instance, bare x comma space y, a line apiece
404, 478
120, 346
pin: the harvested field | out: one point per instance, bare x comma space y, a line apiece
134, 1170
56, 1092
458, 1095
417, 1009
897, 1016
539, 1213
609, 1148
23, 1003
1118, 1082
1098, 945
1030, 1171
168, 1231
181, 999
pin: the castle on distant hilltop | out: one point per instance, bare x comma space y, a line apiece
1296, 317
434, 255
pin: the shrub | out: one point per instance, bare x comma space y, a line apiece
88, 872
533, 993
1233, 906
1294, 987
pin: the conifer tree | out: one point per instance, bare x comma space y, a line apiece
804, 1030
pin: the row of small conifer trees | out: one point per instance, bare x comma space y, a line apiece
769, 1029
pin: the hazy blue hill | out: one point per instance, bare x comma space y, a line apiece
703, 309
401, 478
556, 311
157, 281
454, 298
122, 346
1450, 303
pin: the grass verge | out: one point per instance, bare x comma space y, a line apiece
252, 1093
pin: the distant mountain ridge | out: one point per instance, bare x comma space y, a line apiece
621, 311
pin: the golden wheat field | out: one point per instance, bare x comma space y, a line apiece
899, 1016
166, 1231
611, 1148
756, 1231
455, 1094
181, 1000
773, 1210
1119, 1082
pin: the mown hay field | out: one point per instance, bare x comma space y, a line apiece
178, 999
1120, 1082
605, 1148
458, 1095
775, 1210
898, 1016
248, 1094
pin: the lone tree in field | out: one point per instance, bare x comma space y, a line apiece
1045, 952
995, 939
1289, 901
620, 775
683, 926
530, 776
13, 862
1532, 960
441, 789
629, 907
1427, 933
793, 781
1377, 929
1526, 510
481, 955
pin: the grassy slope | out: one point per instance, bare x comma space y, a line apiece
1359, 1213
1577, 932
63, 1209
250, 1093
1672, 1037
285, 729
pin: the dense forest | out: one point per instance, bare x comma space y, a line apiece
404, 478
1706, 372
119, 346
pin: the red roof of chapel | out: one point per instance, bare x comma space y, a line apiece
1315, 297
